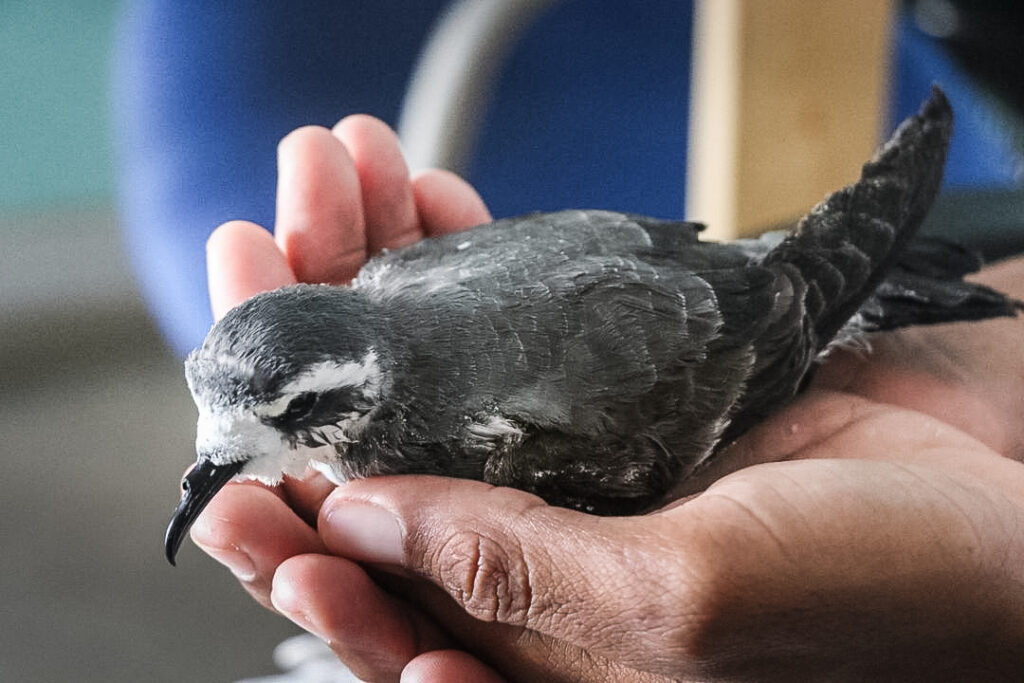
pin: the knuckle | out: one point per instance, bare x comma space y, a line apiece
490, 581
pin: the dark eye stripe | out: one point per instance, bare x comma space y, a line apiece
296, 414
310, 410
300, 406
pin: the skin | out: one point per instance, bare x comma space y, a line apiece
872, 529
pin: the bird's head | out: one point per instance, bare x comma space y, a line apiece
287, 378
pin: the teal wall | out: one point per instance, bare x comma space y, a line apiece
55, 145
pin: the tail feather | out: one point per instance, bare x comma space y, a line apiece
910, 299
939, 258
925, 288
844, 248
851, 267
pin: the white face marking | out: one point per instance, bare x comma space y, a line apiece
224, 433
365, 375
329, 375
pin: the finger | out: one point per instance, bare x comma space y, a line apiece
830, 424
966, 375
306, 495
319, 223
374, 634
447, 203
526, 655
452, 666
788, 434
506, 557
388, 207
251, 531
242, 260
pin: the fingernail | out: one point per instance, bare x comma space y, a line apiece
363, 531
287, 601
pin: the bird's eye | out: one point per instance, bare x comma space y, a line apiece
300, 406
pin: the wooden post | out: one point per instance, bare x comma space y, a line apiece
787, 104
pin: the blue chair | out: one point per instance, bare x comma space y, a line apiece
590, 110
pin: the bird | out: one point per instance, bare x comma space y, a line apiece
590, 357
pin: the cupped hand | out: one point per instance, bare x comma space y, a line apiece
877, 539
343, 195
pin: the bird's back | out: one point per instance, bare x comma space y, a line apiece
622, 331
507, 255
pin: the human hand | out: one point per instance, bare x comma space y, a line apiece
968, 375
343, 195
746, 577
886, 546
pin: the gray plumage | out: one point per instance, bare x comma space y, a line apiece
591, 357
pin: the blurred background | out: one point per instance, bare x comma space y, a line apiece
94, 415
129, 130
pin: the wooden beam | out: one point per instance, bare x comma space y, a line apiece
788, 102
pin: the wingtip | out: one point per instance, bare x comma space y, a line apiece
915, 155
931, 127
937, 103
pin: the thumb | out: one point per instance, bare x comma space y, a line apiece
615, 587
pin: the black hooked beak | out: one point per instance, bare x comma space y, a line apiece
198, 487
